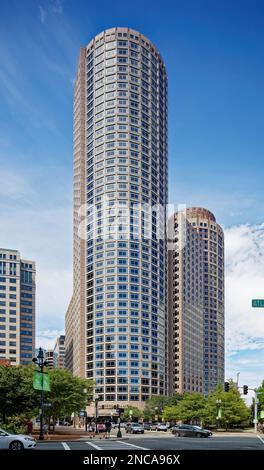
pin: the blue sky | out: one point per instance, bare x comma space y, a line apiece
213, 51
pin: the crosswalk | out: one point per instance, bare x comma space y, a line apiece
104, 445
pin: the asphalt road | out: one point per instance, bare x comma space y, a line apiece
243, 442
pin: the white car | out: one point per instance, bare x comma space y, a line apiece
16, 441
162, 427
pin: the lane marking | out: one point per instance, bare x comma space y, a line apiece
94, 445
262, 440
132, 445
66, 447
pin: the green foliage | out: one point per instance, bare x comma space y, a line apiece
19, 400
137, 413
157, 403
67, 394
17, 395
189, 409
196, 408
15, 424
234, 411
260, 395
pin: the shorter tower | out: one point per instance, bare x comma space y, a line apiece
59, 352
186, 323
17, 307
196, 302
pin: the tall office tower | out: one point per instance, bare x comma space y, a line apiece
116, 320
205, 233
186, 322
59, 352
17, 307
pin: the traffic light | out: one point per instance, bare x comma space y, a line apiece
245, 389
226, 388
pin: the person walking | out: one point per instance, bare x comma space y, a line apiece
91, 429
46, 431
101, 430
29, 427
108, 426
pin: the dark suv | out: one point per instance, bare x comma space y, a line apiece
190, 430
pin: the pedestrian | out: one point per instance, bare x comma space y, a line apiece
101, 430
29, 427
90, 429
46, 431
108, 427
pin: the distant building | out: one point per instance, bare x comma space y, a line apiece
196, 304
59, 352
49, 358
17, 307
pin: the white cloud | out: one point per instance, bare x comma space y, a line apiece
46, 339
55, 8
244, 324
244, 282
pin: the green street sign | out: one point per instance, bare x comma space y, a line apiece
219, 416
41, 381
259, 303
262, 414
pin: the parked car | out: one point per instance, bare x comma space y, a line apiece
153, 426
162, 427
189, 430
16, 441
146, 426
135, 428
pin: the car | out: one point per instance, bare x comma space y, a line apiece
190, 430
153, 426
162, 427
135, 428
146, 426
16, 441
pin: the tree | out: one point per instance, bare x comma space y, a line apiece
189, 409
17, 396
234, 411
157, 403
68, 394
136, 413
18, 399
260, 396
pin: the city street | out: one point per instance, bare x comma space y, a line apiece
160, 442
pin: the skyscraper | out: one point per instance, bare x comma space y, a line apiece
196, 306
186, 317
115, 324
17, 307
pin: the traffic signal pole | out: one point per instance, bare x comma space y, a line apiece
256, 412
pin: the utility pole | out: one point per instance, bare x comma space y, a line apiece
256, 411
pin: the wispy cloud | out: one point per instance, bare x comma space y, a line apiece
43, 14
55, 7
46, 338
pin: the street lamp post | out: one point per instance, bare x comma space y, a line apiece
218, 404
96, 399
39, 361
119, 410
156, 413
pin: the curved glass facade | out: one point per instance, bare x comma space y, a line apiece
125, 160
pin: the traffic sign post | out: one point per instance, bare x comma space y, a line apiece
258, 303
